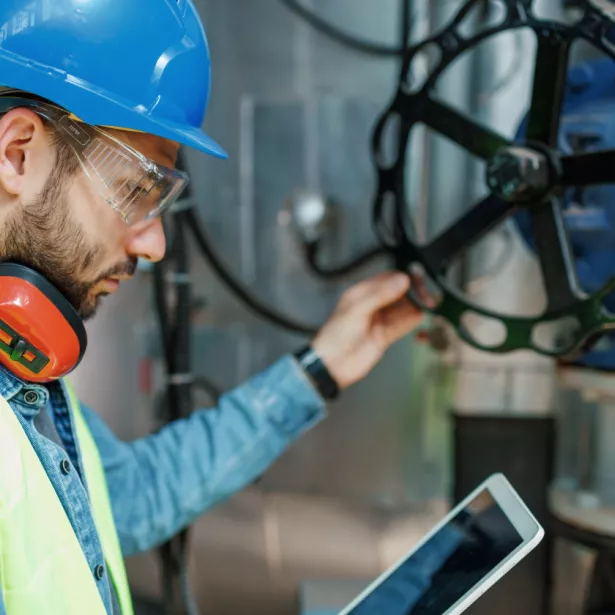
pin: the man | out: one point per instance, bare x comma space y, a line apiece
98, 96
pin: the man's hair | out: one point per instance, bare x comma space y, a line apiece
67, 163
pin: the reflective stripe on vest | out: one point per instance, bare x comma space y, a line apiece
43, 570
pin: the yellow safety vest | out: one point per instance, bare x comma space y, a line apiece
43, 570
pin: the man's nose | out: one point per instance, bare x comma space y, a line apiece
147, 241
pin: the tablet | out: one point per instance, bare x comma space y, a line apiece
460, 559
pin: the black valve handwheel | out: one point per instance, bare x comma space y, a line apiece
532, 175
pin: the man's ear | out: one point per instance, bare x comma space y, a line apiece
24, 147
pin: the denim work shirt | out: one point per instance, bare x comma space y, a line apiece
161, 483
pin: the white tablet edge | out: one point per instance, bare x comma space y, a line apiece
528, 527
525, 523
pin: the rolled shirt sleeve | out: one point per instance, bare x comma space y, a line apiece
161, 483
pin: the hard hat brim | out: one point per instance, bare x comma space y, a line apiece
190, 137
187, 135
96, 107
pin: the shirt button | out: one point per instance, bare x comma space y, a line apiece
31, 398
65, 466
99, 571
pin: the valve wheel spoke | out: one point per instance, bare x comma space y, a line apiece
466, 231
473, 137
588, 168
548, 90
555, 256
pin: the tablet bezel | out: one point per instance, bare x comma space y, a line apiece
515, 510
522, 519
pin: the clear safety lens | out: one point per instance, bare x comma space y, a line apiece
135, 187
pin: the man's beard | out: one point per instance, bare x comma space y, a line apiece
43, 237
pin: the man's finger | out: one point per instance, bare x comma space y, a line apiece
419, 288
398, 320
377, 293
358, 292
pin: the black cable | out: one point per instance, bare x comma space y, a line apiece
162, 313
163, 414
180, 387
391, 218
235, 285
178, 600
181, 377
311, 256
175, 332
406, 25
337, 35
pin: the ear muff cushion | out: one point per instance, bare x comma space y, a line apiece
32, 307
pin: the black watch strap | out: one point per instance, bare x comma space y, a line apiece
317, 373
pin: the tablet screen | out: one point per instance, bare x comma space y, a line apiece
448, 565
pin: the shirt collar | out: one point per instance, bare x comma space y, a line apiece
10, 384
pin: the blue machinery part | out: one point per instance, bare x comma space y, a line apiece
588, 124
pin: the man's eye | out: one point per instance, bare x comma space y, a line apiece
133, 192
138, 193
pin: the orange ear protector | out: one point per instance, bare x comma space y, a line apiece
42, 337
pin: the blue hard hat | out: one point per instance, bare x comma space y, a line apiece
140, 65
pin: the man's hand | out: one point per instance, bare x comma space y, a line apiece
370, 317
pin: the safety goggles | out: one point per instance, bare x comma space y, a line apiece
136, 187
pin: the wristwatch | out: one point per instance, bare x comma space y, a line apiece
318, 373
